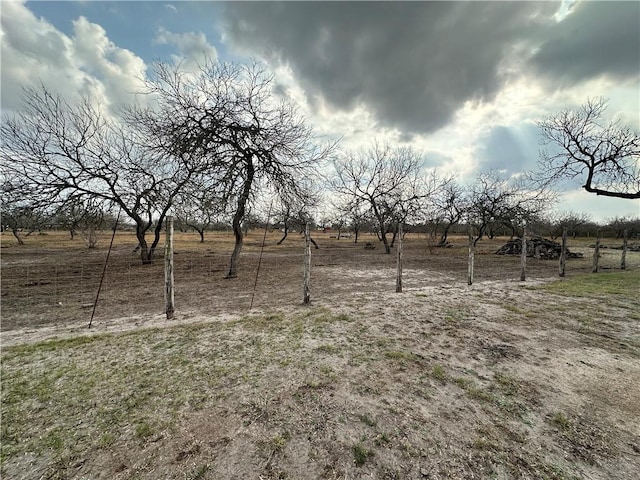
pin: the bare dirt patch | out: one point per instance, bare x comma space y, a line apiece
501, 379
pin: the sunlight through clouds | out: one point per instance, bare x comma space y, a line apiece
464, 83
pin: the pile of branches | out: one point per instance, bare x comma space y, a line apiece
537, 247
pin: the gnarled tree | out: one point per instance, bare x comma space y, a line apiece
228, 116
605, 155
64, 153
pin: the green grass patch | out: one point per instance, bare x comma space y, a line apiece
438, 372
367, 420
603, 284
560, 421
401, 355
361, 454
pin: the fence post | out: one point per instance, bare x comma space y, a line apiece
306, 296
523, 253
399, 261
596, 255
168, 270
563, 252
623, 259
471, 257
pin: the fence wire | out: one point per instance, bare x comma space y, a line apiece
44, 286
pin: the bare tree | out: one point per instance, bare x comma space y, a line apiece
388, 180
492, 199
293, 211
449, 206
199, 206
352, 213
84, 215
227, 116
607, 156
63, 153
19, 215
572, 221
618, 225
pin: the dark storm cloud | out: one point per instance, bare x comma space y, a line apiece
597, 38
413, 63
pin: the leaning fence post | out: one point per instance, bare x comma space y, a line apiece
399, 261
563, 252
306, 296
523, 253
471, 257
596, 255
168, 270
623, 259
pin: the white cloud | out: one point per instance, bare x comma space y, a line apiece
193, 48
34, 51
120, 71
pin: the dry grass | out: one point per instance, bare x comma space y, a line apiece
499, 380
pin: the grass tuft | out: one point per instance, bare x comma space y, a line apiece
361, 454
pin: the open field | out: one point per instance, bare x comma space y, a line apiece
501, 379
52, 281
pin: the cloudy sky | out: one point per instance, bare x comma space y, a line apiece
463, 82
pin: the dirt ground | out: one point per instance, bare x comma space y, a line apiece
500, 379
53, 281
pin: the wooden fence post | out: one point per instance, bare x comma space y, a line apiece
596, 255
563, 252
623, 259
168, 270
523, 253
471, 257
399, 261
306, 296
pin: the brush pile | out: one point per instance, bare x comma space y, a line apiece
537, 247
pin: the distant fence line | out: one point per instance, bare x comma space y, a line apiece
34, 291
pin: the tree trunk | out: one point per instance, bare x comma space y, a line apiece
356, 231
145, 253
200, 231
444, 235
17, 235
395, 235
385, 241
237, 219
158, 231
286, 232
383, 236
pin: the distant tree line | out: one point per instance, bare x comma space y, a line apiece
219, 150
